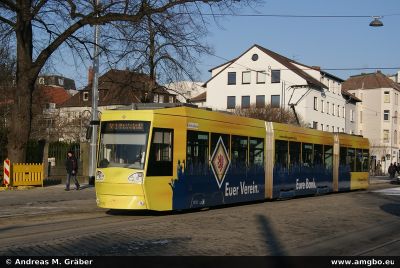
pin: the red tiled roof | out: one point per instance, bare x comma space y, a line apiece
199, 98
116, 87
369, 81
55, 95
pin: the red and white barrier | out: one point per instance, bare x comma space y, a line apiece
7, 172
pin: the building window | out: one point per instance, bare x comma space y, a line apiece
261, 77
260, 101
275, 76
386, 115
344, 112
395, 137
333, 129
333, 109
254, 57
396, 98
231, 78
275, 101
171, 99
61, 81
85, 96
246, 77
338, 111
161, 98
395, 117
315, 125
322, 106
351, 115
315, 103
386, 97
322, 127
245, 101
41, 80
156, 98
327, 127
231, 102
385, 135
361, 119
327, 107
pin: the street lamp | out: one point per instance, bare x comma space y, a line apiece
376, 22
95, 92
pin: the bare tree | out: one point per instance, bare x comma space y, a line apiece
38, 28
7, 78
269, 113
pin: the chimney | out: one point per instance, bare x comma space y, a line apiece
90, 75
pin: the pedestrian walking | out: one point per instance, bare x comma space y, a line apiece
391, 171
71, 165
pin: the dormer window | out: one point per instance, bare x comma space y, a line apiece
41, 81
61, 81
85, 96
50, 106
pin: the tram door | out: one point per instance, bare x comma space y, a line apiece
160, 169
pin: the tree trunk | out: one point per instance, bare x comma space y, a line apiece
18, 135
20, 125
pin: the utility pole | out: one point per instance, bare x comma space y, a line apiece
95, 94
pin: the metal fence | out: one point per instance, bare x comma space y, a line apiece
58, 151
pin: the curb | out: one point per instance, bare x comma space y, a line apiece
17, 188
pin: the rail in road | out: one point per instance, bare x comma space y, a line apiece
354, 223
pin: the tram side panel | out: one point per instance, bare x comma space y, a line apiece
303, 162
223, 165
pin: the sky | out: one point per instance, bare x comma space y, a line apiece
331, 43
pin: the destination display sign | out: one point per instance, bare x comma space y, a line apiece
124, 126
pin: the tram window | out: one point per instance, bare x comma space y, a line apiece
256, 152
359, 158
318, 154
281, 153
351, 155
294, 153
343, 156
328, 159
214, 140
160, 158
197, 148
307, 153
365, 164
239, 150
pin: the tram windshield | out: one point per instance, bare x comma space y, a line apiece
123, 144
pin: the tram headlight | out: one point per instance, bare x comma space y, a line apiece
99, 175
136, 178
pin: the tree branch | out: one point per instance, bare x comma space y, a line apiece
38, 7
7, 21
11, 5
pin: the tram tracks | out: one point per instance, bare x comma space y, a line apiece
53, 230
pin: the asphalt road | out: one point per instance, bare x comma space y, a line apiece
50, 221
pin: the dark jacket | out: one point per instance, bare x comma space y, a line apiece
71, 164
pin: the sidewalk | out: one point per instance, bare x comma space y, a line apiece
380, 179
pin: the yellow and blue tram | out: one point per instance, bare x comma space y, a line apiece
182, 157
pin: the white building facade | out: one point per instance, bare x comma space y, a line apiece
260, 76
378, 114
